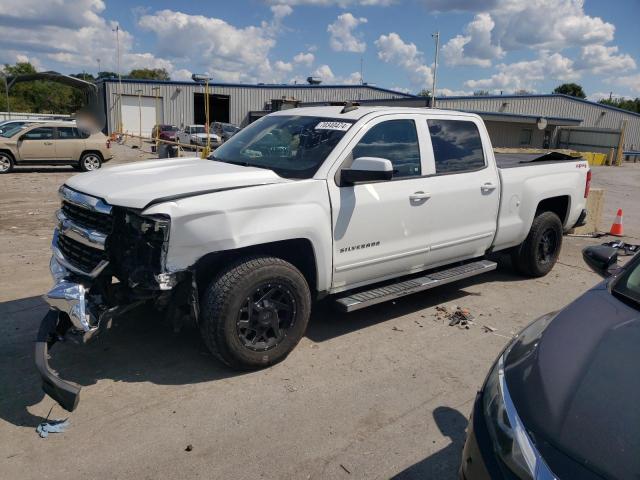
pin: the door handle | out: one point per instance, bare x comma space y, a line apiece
488, 187
419, 196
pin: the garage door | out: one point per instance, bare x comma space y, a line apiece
132, 114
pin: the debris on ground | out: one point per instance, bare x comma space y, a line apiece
52, 426
189, 448
396, 329
345, 469
489, 328
459, 316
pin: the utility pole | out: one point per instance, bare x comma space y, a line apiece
436, 36
6, 86
99, 70
361, 70
117, 30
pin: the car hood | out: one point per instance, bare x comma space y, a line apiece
203, 135
577, 388
138, 184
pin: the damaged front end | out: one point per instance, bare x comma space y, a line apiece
106, 261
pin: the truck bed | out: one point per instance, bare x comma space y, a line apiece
513, 160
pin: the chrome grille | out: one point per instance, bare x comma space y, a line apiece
84, 222
79, 255
88, 218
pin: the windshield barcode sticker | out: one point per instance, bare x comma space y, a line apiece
342, 126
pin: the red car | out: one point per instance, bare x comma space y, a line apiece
164, 132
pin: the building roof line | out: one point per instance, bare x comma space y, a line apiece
521, 115
258, 85
538, 95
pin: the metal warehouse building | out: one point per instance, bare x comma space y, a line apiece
145, 102
553, 120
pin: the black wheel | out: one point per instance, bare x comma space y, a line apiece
90, 161
6, 162
255, 312
537, 255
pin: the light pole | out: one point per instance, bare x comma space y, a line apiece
156, 91
139, 92
99, 70
435, 69
200, 78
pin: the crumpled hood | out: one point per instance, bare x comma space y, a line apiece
578, 390
137, 184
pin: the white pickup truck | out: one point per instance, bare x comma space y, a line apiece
360, 204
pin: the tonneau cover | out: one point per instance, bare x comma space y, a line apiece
510, 160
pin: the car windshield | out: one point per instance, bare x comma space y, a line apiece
628, 285
169, 128
230, 128
198, 129
291, 146
11, 131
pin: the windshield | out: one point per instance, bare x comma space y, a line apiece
629, 283
229, 128
198, 129
11, 131
168, 128
291, 146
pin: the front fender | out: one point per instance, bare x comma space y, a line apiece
248, 217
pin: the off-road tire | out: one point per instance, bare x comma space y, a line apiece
527, 257
226, 295
93, 157
6, 162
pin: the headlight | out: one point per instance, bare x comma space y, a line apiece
511, 441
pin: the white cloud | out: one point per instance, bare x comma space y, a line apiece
306, 59
447, 92
602, 59
229, 53
335, 3
342, 38
324, 73
632, 82
476, 47
392, 49
525, 74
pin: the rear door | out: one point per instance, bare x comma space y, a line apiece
37, 144
68, 143
463, 189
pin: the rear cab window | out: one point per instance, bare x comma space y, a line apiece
457, 146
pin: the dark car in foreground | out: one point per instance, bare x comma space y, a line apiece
563, 399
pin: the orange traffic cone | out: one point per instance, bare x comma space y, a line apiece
616, 228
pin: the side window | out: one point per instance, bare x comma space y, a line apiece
42, 133
457, 146
395, 140
66, 133
525, 136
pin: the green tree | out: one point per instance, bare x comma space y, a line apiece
106, 75
424, 93
572, 89
149, 74
624, 103
481, 93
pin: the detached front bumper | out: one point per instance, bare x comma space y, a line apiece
76, 315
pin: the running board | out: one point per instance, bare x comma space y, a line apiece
366, 298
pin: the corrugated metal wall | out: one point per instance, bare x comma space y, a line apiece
504, 134
178, 98
591, 114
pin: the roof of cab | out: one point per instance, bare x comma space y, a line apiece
361, 111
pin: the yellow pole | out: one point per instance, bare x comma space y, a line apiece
140, 116
207, 149
157, 89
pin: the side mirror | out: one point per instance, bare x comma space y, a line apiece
601, 259
367, 169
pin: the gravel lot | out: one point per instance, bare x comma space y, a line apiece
379, 393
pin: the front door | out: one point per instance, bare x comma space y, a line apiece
379, 228
37, 144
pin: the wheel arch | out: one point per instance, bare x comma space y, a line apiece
298, 251
90, 150
560, 205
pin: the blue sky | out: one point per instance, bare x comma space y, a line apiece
494, 45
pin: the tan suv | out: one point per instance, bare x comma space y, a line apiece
53, 143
